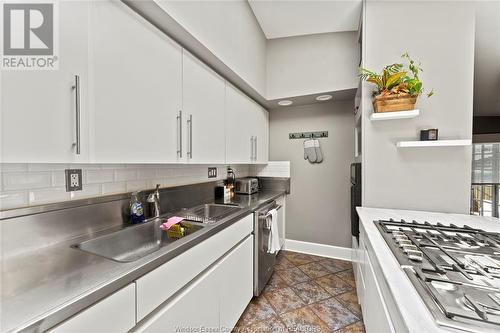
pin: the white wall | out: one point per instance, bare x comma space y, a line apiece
24, 185
318, 208
230, 31
442, 38
311, 64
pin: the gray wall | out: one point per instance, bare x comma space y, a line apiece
311, 64
442, 38
318, 206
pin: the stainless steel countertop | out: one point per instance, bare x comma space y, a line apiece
44, 287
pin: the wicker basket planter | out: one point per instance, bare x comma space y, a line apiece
392, 103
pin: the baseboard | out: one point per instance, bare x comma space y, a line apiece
323, 250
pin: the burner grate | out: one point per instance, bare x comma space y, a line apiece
456, 270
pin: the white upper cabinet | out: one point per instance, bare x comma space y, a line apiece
203, 93
38, 107
239, 137
230, 31
261, 128
125, 93
247, 129
137, 84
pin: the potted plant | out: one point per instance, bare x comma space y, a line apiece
396, 89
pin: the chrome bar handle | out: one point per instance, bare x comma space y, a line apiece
179, 138
256, 151
251, 148
76, 88
190, 127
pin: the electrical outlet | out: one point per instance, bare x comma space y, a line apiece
73, 180
212, 172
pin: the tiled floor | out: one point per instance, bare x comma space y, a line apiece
306, 294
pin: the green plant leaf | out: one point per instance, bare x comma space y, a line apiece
394, 79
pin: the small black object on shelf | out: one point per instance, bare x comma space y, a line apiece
429, 134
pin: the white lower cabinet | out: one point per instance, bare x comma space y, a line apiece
376, 315
235, 284
197, 306
214, 301
115, 313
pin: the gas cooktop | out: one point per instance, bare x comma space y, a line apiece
456, 270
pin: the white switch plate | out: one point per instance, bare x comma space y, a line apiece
73, 180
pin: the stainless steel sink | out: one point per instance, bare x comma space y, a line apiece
209, 213
132, 243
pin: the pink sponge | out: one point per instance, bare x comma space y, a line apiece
170, 222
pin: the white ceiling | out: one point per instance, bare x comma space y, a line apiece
487, 59
285, 18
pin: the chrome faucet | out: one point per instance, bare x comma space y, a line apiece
154, 198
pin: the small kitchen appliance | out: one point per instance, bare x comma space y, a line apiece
455, 270
246, 185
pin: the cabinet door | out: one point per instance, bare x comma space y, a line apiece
195, 307
235, 283
203, 96
375, 314
262, 135
137, 86
239, 140
38, 119
116, 313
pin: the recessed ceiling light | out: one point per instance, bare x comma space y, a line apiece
324, 97
285, 102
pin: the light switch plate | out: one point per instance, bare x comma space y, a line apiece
73, 180
212, 172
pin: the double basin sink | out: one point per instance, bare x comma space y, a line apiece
137, 241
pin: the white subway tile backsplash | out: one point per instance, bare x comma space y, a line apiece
152, 183
98, 176
9, 167
13, 199
58, 178
272, 169
147, 173
25, 180
125, 174
88, 191
22, 185
113, 188
136, 185
47, 195
47, 167
163, 172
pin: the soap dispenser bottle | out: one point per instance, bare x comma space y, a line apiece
136, 209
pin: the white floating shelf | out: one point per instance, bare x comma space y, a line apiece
394, 115
434, 143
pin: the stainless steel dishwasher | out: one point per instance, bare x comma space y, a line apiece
263, 261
